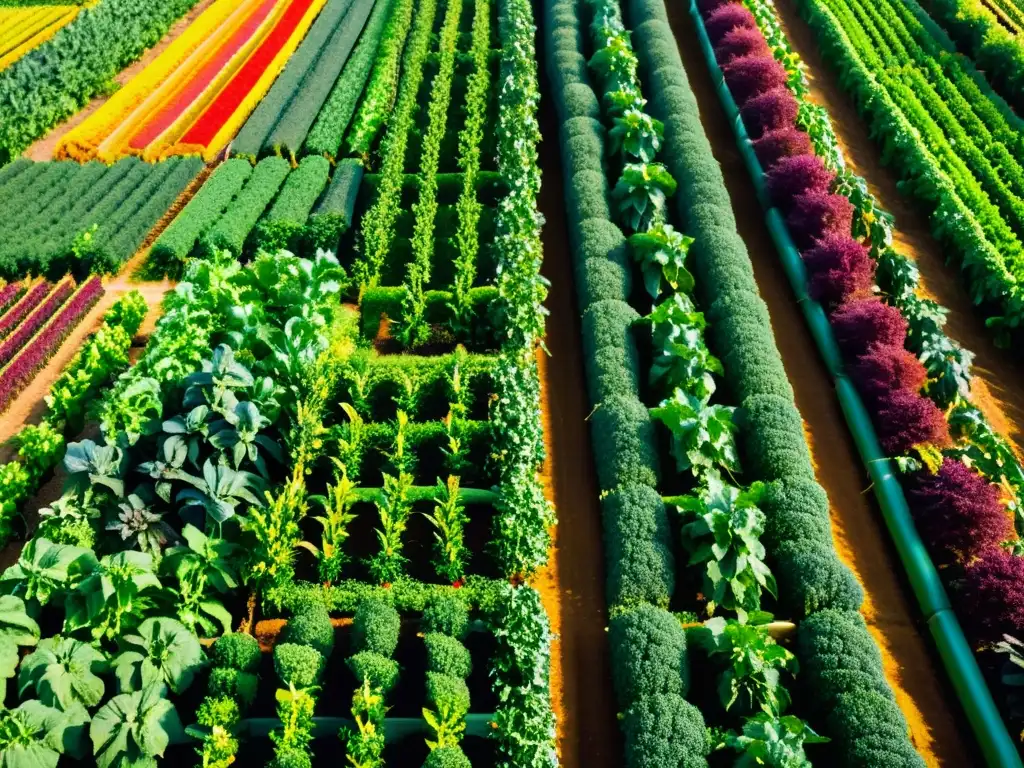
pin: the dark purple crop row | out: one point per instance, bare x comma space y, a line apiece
34, 356
9, 294
30, 325
13, 317
958, 512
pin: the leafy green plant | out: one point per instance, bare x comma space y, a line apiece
753, 665
45, 570
295, 710
1011, 674
201, 563
274, 533
703, 435
365, 742
773, 741
352, 446
681, 358
96, 465
331, 555
394, 509
34, 735
449, 520
115, 597
17, 629
162, 651
615, 63
661, 252
219, 492
139, 526
635, 134
217, 720
641, 192
64, 672
722, 529
69, 519
133, 729
401, 458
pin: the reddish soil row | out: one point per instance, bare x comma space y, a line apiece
861, 539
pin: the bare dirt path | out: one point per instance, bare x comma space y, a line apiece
43, 148
859, 533
997, 389
572, 586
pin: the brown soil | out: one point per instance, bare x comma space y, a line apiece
861, 540
997, 373
572, 586
43, 148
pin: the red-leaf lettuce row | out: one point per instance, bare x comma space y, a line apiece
742, 42
958, 512
13, 316
992, 596
39, 349
816, 215
793, 176
31, 324
840, 268
750, 76
726, 18
778, 143
771, 111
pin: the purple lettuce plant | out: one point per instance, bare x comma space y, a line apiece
992, 596
771, 111
30, 326
905, 419
779, 143
838, 267
884, 368
860, 323
10, 319
816, 215
741, 42
791, 177
750, 76
726, 18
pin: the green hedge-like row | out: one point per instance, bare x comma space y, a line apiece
648, 645
325, 136
332, 216
44, 207
53, 81
253, 137
283, 224
235, 224
177, 241
291, 129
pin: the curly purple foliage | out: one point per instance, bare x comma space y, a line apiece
904, 419
707, 7
816, 215
839, 267
957, 512
739, 43
992, 596
781, 142
18, 311
29, 360
884, 368
771, 111
726, 18
750, 76
860, 323
31, 324
792, 176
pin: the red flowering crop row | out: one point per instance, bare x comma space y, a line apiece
958, 512
40, 347
9, 294
30, 326
17, 312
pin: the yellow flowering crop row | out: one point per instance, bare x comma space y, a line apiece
205, 33
22, 29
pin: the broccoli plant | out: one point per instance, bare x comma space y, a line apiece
702, 434
722, 529
681, 358
753, 663
641, 192
661, 253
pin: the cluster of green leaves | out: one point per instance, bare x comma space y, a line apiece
232, 228
414, 329
231, 689
376, 107
468, 207
378, 224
